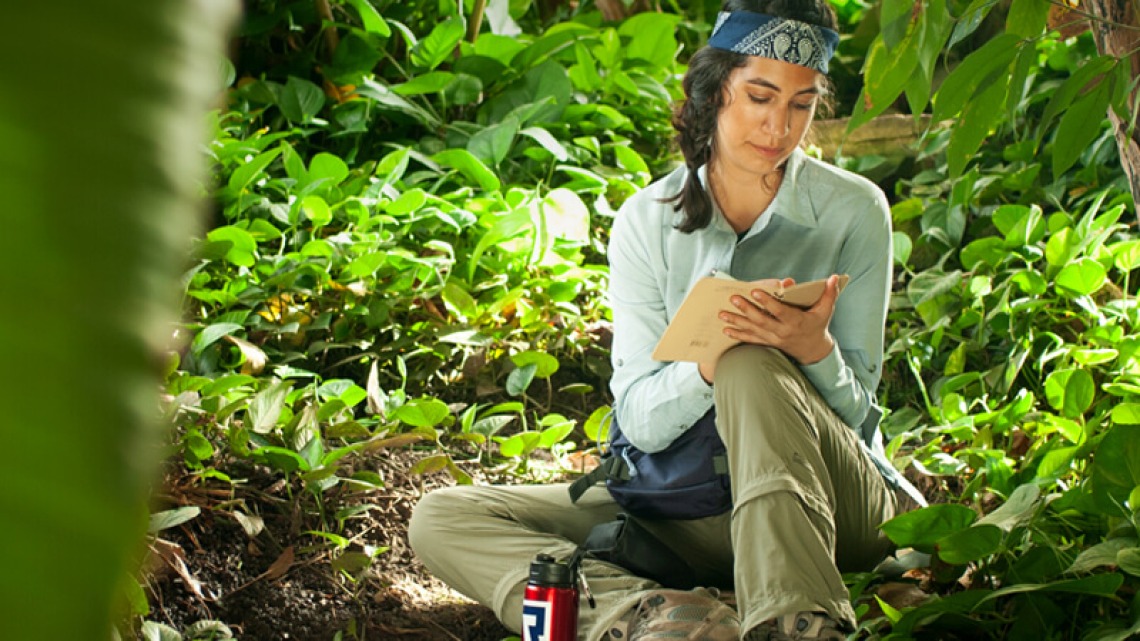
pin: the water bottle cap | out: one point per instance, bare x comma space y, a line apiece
546, 571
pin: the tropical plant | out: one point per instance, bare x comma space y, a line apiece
100, 204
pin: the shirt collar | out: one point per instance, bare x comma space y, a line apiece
792, 201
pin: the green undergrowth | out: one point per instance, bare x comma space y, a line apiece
408, 251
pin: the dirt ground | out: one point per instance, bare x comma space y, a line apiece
281, 584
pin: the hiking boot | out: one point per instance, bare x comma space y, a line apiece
694, 615
801, 626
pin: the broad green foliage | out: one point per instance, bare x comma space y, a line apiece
1012, 342
994, 86
409, 250
98, 208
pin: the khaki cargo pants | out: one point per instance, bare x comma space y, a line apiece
807, 499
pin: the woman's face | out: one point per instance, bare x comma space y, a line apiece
768, 107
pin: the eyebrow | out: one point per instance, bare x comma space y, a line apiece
768, 85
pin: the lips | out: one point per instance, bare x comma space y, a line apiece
768, 152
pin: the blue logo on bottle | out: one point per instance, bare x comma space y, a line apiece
536, 620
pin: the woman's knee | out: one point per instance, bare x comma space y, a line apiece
434, 514
745, 361
756, 371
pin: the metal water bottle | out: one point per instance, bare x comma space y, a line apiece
550, 604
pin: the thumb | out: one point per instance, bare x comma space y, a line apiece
830, 294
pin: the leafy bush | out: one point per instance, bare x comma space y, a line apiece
409, 243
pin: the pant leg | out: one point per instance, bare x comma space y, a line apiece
481, 540
807, 499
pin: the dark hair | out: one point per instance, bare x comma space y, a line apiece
696, 118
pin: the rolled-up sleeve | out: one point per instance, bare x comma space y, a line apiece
848, 377
654, 402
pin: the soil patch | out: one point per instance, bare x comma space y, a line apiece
287, 583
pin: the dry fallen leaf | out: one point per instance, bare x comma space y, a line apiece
281, 565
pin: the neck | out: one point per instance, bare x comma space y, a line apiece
742, 197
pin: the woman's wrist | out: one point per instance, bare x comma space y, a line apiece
817, 355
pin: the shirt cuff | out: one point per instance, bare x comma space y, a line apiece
824, 372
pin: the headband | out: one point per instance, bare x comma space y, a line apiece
758, 34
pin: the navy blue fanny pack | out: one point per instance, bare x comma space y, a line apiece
687, 480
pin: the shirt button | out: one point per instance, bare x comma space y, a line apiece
620, 362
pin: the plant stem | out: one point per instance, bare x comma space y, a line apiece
1092, 18
332, 39
476, 22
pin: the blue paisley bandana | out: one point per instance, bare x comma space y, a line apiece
758, 34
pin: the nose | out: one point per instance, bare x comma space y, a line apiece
779, 122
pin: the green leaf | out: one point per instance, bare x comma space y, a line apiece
370, 18
1129, 560
970, 19
265, 408
892, 614
430, 82
1082, 278
242, 250
281, 459
1076, 85
1126, 414
979, 117
470, 166
492, 144
422, 412
199, 446
567, 218
922, 528
505, 227
430, 52
597, 426
385, 97
316, 210
1060, 247
1071, 391
1126, 254
251, 171
1017, 509
545, 364
555, 434
887, 73
327, 167
459, 301
520, 379
1116, 467
971, 544
431, 464
1027, 17
300, 100
1027, 228
978, 73
212, 334
989, 251
154, 631
902, 246
894, 18
651, 38
520, 444
548, 142
172, 518
1101, 555
491, 425
1104, 585
1079, 127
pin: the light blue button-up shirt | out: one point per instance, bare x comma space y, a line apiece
823, 221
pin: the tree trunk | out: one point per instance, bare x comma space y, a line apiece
101, 169
1116, 30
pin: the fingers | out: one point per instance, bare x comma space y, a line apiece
830, 294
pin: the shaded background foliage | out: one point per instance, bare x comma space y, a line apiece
407, 250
